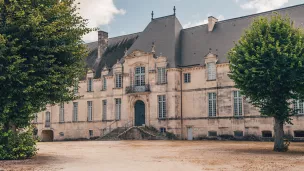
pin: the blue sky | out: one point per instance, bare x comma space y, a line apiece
119, 17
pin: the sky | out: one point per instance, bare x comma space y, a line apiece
120, 17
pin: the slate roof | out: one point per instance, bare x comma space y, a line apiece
183, 47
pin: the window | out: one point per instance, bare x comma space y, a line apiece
104, 110
162, 106
117, 109
299, 106
140, 76
211, 68
187, 78
118, 80
47, 119
298, 133
75, 111
212, 104
90, 84
104, 83
75, 86
238, 133
237, 103
91, 133
161, 76
162, 130
212, 133
35, 118
90, 110
61, 112
266, 134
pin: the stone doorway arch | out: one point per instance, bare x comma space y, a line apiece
47, 135
139, 112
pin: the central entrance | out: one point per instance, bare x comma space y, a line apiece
139, 113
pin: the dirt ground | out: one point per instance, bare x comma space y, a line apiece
160, 156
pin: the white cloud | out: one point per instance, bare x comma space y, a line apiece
201, 22
99, 12
261, 5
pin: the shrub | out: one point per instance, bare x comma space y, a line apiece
17, 145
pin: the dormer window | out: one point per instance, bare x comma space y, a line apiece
118, 80
140, 76
90, 85
211, 69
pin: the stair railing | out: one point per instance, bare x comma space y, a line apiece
108, 129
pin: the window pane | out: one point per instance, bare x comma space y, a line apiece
212, 104
211, 68
75, 111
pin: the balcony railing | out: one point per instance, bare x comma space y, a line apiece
137, 89
47, 124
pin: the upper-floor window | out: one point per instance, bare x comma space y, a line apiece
299, 106
140, 76
75, 111
117, 109
104, 110
118, 81
48, 117
211, 69
187, 77
104, 83
212, 104
237, 103
90, 110
61, 112
161, 76
35, 118
162, 113
90, 84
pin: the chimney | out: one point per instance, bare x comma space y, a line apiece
102, 42
211, 23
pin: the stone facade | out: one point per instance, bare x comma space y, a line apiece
206, 104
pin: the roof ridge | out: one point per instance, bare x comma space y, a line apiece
163, 17
250, 15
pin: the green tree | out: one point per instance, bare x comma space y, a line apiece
267, 66
41, 53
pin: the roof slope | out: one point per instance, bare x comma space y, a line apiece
197, 41
165, 33
114, 52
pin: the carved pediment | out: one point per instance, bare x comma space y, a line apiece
161, 59
136, 53
210, 57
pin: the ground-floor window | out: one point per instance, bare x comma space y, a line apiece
75, 111
117, 109
212, 104
162, 106
104, 110
91, 133
90, 111
237, 103
61, 112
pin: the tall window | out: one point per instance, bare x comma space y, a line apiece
237, 104
90, 84
117, 109
212, 104
75, 111
140, 76
75, 86
90, 110
104, 83
47, 117
61, 112
35, 118
162, 113
299, 106
161, 76
118, 80
104, 110
211, 68
187, 78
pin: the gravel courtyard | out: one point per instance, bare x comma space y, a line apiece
160, 155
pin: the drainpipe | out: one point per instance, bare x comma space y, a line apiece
181, 108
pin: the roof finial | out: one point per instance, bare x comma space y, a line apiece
152, 14
126, 52
174, 10
153, 47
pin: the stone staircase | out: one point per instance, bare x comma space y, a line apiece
113, 135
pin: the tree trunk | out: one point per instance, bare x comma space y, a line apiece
278, 136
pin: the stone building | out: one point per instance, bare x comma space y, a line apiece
171, 78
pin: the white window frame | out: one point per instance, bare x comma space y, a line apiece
161, 75
90, 85
162, 106
118, 80
212, 104
187, 77
75, 111
237, 103
104, 83
211, 71
299, 106
61, 112
104, 110
140, 76
90, 110
117, 108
